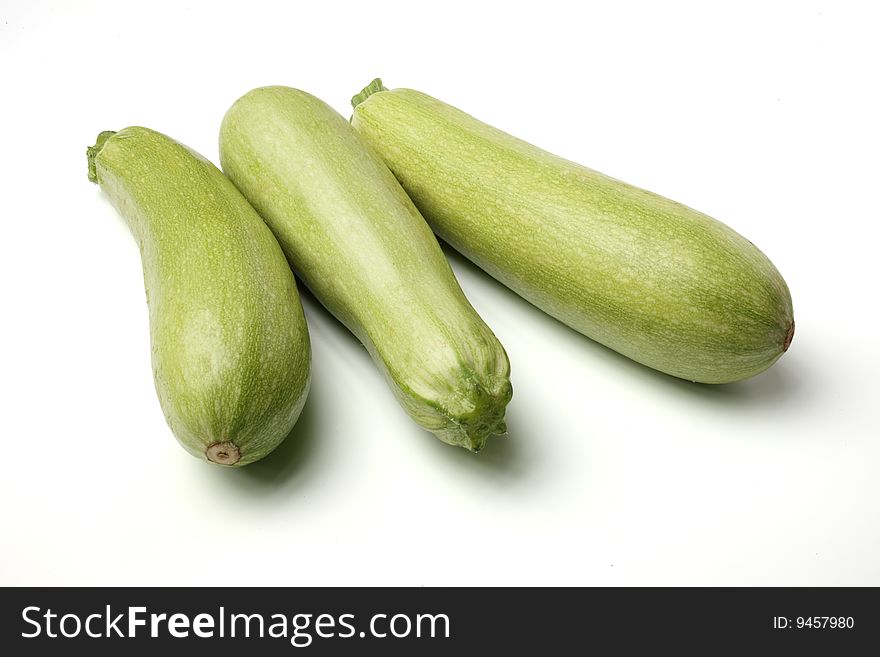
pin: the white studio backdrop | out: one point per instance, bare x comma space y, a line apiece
763, 115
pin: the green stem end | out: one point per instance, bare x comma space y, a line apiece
92, 153
374, 87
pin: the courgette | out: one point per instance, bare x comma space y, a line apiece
652, 279
230, 347
358, 243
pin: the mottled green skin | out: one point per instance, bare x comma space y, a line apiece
356, 240
652, 279
230, 347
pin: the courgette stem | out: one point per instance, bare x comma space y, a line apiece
226, 453
789, 336
92, 153
374, 87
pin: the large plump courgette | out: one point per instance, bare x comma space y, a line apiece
654, 280
230, 346
356, 240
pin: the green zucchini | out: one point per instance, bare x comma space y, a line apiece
356, 240
230, 347
652, 279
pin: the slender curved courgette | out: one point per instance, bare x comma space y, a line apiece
360, 245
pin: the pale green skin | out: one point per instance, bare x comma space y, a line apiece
354, 237
230, 346
652, 279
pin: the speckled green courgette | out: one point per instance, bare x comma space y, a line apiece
230, 347
654, 280
356, 240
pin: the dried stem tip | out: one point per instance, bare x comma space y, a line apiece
226, 453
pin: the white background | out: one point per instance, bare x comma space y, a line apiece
764, 115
